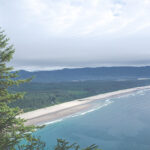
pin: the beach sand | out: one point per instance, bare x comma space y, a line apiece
56, 112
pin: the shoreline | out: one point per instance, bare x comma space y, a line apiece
60, 111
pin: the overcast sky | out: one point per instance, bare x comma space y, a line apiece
50, 34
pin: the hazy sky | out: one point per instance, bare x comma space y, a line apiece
51, 34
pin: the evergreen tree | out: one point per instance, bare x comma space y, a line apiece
13, 133
12, 129
64, 145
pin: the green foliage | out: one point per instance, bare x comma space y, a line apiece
33, 143
41, 95
13, 133
64, 145
12, 129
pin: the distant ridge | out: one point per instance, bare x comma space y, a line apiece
83, 74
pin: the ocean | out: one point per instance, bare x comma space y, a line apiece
120, 123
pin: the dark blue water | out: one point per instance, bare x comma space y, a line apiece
124, 124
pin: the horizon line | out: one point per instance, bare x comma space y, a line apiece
62, 68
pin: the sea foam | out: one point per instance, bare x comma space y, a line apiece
93, 108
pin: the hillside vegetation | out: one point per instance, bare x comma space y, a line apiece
84, 74
41, 95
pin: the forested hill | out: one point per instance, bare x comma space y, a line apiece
39, 95
83, 74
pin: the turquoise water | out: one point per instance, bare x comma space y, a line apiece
121, 123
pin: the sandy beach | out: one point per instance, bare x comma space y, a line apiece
56, 112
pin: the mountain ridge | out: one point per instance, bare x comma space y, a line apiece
88, 73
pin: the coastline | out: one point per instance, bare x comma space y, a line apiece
60, 111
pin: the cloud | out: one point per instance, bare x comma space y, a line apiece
78, 17
75, 30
